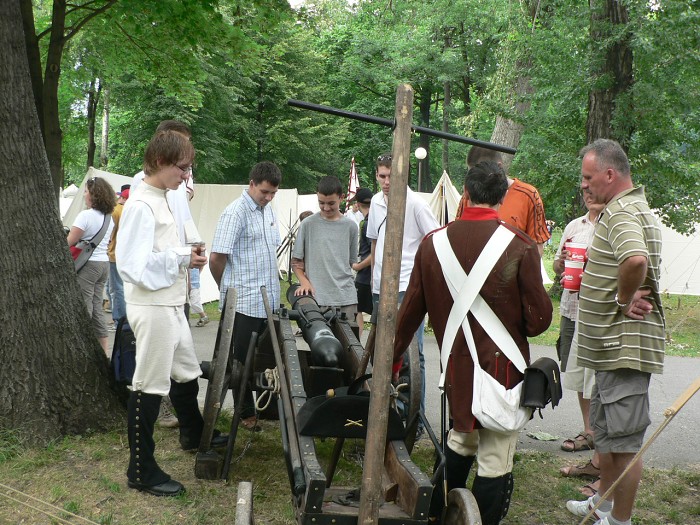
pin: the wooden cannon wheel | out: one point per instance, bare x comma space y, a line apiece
206, 465
461, 509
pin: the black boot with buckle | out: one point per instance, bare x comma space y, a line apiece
186, 405
493, 497
143, 473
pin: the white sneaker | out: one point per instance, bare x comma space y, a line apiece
581, 508
602, 521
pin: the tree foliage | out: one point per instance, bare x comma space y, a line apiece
227, 69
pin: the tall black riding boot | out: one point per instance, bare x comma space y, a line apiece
186, 405
493, 497
144, 473
457, 469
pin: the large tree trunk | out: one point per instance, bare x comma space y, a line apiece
54, 376
615, 65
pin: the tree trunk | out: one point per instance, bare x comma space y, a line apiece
104, 147
446, 106
93, 102
616, 65
33, 56
509, 132
53, 136
426, 96
55, 378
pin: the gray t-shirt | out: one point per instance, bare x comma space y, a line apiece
328, 248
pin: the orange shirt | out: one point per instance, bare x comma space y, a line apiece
523, 209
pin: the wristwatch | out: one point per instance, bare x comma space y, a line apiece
621, 305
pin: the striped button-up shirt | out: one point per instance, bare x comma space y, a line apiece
249, 235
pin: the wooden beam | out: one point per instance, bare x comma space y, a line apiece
383, 352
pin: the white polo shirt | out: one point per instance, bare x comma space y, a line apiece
419, 221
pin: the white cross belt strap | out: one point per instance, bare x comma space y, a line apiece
465, 294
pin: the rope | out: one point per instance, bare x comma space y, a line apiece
272, 378
59, 509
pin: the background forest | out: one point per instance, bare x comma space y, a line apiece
545, 76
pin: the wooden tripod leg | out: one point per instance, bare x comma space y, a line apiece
369, 352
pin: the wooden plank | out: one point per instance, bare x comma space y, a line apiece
415, 489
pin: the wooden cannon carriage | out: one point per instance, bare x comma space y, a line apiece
323, 393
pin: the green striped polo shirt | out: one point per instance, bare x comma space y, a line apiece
607, 339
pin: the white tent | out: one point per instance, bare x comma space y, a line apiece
680, 262
444, 200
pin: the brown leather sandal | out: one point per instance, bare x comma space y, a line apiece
591, 489
581, 442
588, 470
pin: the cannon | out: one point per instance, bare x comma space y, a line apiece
323, 393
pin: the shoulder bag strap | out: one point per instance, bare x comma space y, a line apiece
97, 238
465, 292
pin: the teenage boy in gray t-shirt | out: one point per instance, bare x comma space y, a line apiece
324, 251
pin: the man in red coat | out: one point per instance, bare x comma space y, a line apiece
514, 291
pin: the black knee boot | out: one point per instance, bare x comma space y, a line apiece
457, 469
184, 399
144, 473
186, 405
493, 497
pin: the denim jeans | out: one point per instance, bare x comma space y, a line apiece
116, 293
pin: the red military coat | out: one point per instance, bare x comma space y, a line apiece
513, 290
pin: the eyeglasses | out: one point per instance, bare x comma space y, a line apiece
91, 181
384, 158
187, 169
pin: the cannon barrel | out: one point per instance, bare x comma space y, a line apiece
325, 347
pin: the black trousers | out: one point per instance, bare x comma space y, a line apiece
243, 328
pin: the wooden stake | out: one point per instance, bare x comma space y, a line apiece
388, 299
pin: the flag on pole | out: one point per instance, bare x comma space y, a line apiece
354, 183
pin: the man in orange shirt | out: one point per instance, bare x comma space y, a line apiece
522, 206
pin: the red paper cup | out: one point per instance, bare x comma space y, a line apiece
577, 250
573, 271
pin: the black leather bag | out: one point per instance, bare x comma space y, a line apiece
542, 384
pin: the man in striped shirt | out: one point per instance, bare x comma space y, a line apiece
621, 324
244, 255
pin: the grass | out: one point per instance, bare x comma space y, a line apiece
85, 475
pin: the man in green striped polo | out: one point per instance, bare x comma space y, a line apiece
621, 324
